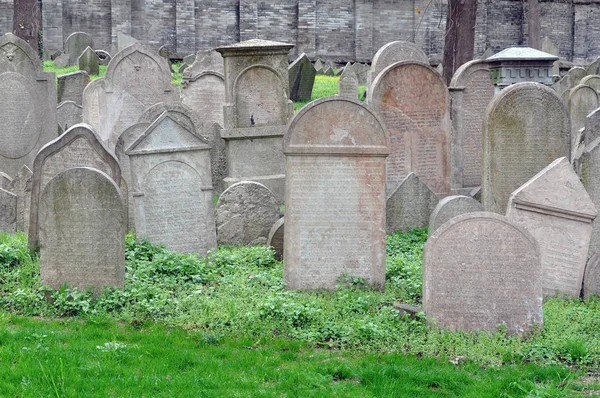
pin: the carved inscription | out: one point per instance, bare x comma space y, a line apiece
206, 96
260, 99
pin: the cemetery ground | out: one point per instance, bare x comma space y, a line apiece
226, 326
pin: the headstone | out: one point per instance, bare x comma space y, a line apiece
5, 180
302, 78
77, 147
256, 112
450, 207
76, 44
89, 62
396, 51
124, 41
8, 211
68, 114
62, 61
82, 231
592, 126
413, 102
103, 56
203, 88
570, 80
594, 67
328, 71
335, 195
90, 112
471, 91
521, 64
245, 213
526, 127
318, 66
27, 104
582, 100
361, 71
70, 86
590, 163
171, 184
593, 81
348, 84
487, 53
549, 47
21, 187
480, 272
275, 239
410, 205
555, 208
591, 279
189, 59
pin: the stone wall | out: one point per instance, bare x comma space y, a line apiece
341, 30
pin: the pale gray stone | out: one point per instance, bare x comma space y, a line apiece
348, 84
318, 66
591, 279
5, 180
480, 272
410, 205
91, 96
335, 195
555, 208
68, 114
302, 78
275, 239
590, 163
592, 127
396, 51
245, 213
450, 207
570, 80
593, 81
413, 102
8, 211
103, 56
549, 47
76, 44
124, 41
21, 187
89, 62
70, 86
526, 128
82, 231
582, 100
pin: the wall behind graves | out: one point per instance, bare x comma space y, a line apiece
339, 29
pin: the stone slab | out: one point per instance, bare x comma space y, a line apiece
275, 239
450, 207
410, 205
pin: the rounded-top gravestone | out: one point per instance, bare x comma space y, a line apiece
450, 207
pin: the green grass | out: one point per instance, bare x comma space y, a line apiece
49, 66
325, 86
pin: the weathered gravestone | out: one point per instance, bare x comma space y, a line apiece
348, 84
302, 78
68, 114
593, 81
555, 208
21, 187
245, 214
275, 239
90, 103
77, 147
570, 80
594, 67
450, 207
5, 180
412, 100
89, 62
203, 88
479, 272
256, 112
549, 47
410, 205
75, 45
124, 41
591, 279
396, 51
70, 86
590, 163
82, 231
27, 104
8, 211
526, 127
582, 100
318, 66
103, 56
471, 90
171, 184
592, 127
334, 195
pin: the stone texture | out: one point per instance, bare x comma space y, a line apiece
171, 184
334, 195
70, 86
5, 180
413, 102
348, 84
103, 56
410, 205
8, 211
481, 271
275, 239
570, 80
555, 208
593, 81
590, 163
526, 127
245, 213
68, 114
591, 279
471, 91
27, 104
77, 147
82, 231
302, 78
592, 127
450, 207
92, 93
395, 51
21, 187
89, 62
582, 100
75, 45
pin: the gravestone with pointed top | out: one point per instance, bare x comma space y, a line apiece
348, 84
75, 45
302, 78
410, 205
88, 61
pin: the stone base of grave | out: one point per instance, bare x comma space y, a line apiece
411, 310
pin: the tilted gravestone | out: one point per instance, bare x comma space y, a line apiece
21, 187
582, 100
68, 114
171, 185
77, 147
592, 127
396, 51
27, 104
593, 81
570, 80
76, 44
526, 127
334, 195
555, 208
70, 86
82, 231
450, 207
5, 180
591, 279
471, 90
89, 62
410, 205
590, 163
8, 211
245, 214
479, 272
90, 112
302, 78
413, 102
348, 84
203, 88
275, 239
